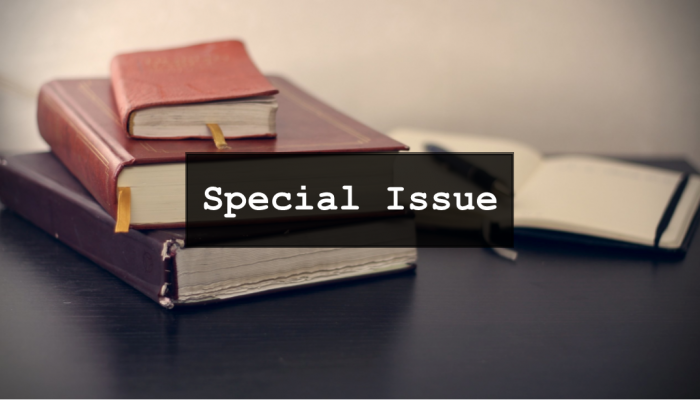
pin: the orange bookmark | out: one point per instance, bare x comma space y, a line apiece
218, 136
123, 210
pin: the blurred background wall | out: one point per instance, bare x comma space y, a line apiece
599, 76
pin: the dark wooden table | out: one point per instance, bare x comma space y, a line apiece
564, 321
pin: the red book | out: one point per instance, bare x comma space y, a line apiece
80, 121
202, 73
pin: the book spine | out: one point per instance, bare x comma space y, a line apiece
120, 98
78, 147
140, 260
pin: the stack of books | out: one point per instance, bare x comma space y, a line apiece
113, 186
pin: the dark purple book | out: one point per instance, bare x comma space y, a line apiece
158, 262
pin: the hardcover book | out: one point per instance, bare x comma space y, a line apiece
80, 121
158, 262
175, 93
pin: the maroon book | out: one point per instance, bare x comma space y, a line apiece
39, 188
81, 122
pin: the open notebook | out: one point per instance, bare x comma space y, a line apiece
583, 195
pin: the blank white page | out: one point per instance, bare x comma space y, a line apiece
601, 197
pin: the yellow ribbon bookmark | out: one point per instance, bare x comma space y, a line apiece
123, 210
218, 136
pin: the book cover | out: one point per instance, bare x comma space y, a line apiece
186, 75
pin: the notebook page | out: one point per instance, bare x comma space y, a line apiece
596, 196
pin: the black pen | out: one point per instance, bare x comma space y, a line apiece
468, 170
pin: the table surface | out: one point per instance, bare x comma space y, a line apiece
562, 321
